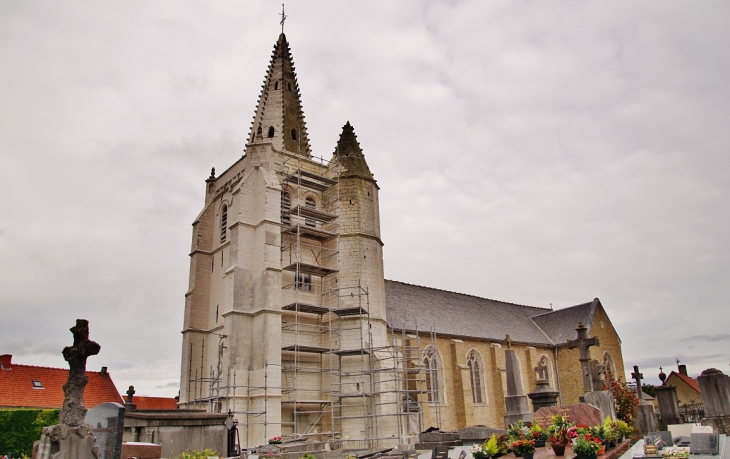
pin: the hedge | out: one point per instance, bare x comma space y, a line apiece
19, 428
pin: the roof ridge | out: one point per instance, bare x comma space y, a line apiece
471, 295
13, 365
550, 311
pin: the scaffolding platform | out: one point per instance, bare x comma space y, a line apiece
314, 214
309, 232
306, 268
312, 349
306, 308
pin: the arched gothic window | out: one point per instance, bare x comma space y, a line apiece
431, 365
285, 208
224, 223
271, 131
310, 203
609, 365
474, 361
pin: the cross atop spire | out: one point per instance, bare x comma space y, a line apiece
283, 18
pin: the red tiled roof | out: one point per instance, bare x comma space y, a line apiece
16, 386
155, 403
691, 382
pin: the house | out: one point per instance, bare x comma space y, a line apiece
30, 386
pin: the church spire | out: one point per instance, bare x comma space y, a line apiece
349, 155
279, 117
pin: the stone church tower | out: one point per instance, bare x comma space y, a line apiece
285, 310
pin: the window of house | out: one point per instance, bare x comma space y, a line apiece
224, 223
37, 384
430, 362
271, 132
310, 203
285, 208
474, 361
304, 282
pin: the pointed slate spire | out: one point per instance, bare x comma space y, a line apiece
279, 117
349, 155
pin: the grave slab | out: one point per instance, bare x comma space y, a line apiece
581, 413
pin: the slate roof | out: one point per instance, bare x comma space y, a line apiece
155, 403
16, 386
560, 324
458, 314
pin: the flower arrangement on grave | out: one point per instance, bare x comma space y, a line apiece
275, 441
518, 431
493, 448
538, 434
598, 432
611, 431
477, 451
524, 446
503, 444
675, 452
586, 446
559, 430
577, 430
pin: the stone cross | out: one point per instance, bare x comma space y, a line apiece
638, 377
73, 411
509, 342
583, 343
541, 371
130, 394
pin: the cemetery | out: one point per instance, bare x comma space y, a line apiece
597, 426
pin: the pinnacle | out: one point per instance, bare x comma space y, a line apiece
350, 154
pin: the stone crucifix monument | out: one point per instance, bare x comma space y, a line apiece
592, 371
516, 405
543, 395
584, 343
71, 438
645, 419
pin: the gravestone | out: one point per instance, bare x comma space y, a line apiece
107, 424
479, 433
604, 401
581, 413
543, 395
666, 437
704, 443
645, 419
715, 390
516, 405
71, 438
668, 405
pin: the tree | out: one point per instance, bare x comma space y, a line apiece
649, 389
626, 401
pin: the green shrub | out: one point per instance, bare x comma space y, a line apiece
19, 428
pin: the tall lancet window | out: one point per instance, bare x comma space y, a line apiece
431, 365
224, 223
310, 203
474, 361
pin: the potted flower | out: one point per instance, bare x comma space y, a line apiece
586, 447
477, 451
539, 435
493, 448
525, 447
624, 430
503, 445
275, 441
559, 434
599, 432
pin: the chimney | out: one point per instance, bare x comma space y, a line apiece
103, 372
5, 361
682, 370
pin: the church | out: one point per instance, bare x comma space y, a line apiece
290, 325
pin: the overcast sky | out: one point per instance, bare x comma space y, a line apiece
532, 152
